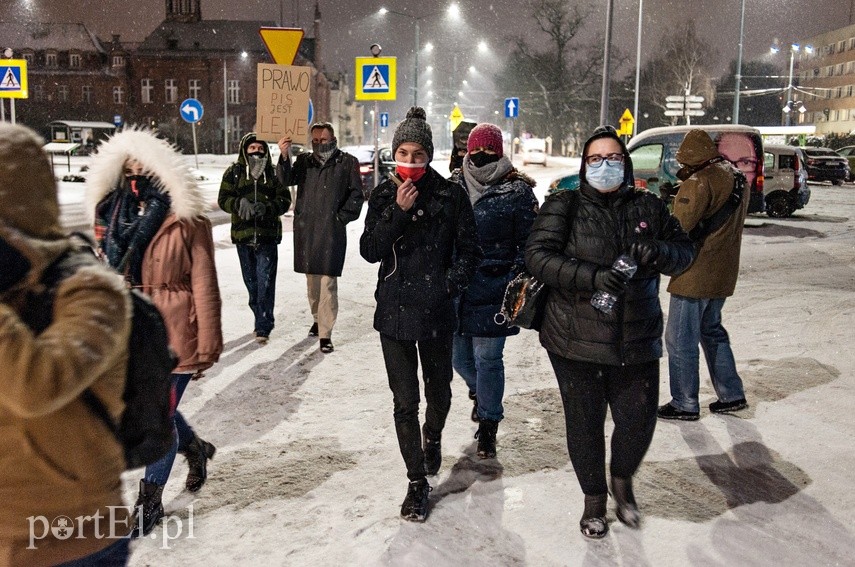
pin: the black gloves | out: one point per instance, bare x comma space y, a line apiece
13, 265
611, 281
258, 209
645, 252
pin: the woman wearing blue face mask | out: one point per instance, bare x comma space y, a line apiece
605, 360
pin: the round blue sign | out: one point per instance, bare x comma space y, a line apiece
191, 110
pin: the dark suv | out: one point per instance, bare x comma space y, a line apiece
824, 164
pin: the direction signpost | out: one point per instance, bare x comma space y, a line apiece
384, 119
512, 111
684, 105
191, 111
626, 123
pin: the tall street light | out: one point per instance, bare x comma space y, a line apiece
788, 107
738, 76
604, 95
637, 68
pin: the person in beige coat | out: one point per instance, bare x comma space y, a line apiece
59, 464
698, 294
150, 226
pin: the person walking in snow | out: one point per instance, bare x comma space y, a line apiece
329, 196
150, 226
605, 360
421, 229
255, 197
505, 207
57, 460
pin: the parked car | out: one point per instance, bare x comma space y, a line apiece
365, 155
824, 164
78, 176
785, 184
534, 155
849, 153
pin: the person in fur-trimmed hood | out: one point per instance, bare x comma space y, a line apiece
150, 225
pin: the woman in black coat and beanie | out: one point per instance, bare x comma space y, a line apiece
605, 360
420, 227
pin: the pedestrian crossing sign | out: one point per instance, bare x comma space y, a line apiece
375, 78
13, 78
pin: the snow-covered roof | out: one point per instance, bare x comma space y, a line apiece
42, 36
82, 124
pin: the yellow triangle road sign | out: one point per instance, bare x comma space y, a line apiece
282, 43
456, 117
627, 118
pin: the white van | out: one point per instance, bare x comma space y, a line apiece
785, 187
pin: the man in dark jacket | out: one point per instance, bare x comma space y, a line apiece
252, 193
329, 195
605, 359
421, 229
698, 294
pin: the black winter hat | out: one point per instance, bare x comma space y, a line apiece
608, 131
414, 128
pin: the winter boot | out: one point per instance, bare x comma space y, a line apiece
415, 506
593, 523
486, 436
432, 447
627, 511
198, 452
475, 417
148, 510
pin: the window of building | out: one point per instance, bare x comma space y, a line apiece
74, 60
838, 70
118, 60
838, 92
62, 93
118, 95
194, 88
235, 132
28, 57
86, 93
841, 46
234, 92
848, 90
852, 114
147, 90
38, 92
51, 59
171, 90
832, 116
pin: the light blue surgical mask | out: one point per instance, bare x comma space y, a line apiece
605, 178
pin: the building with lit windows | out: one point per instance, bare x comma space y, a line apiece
827, 82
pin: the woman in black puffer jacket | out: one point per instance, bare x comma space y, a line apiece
605, 360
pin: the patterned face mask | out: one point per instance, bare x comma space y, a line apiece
256, 165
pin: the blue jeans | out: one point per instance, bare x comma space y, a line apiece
158, 472
114, 555
258, 265
479, 361
692, 321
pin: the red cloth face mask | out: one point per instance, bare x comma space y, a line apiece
414, 171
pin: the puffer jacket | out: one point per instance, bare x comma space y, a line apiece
237, 183
577, 232
503, 217
178, 270
716, 267
427, 256
57, 459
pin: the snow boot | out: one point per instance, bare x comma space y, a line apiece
475, 417
432, 447
148, 510
593, 523
627, 510
415, 506
198, 452
486, 436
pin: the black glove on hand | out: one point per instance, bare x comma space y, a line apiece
13, 265
611, 281
245, 211
258, 209
645, 252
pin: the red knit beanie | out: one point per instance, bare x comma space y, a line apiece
486, 136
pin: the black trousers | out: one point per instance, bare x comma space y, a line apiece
632, 393
402, 364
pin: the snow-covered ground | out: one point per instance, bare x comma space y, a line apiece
308, 470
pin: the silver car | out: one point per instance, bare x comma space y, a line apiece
785, 187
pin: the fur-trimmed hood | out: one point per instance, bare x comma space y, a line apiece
160, 160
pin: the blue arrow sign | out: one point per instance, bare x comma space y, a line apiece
191, 110
512, 107
117, 120
384, 119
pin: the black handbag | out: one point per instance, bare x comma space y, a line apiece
523, 304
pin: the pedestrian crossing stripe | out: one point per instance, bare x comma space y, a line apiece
13, 78
10, 82
375, 78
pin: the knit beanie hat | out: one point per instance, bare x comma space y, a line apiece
486, 136
414, 128
28, 200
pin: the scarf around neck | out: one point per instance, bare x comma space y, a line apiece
479, 179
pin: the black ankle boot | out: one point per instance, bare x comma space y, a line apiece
486, 436
198, 452
432, 447
593, 523
627, 510
475, 417
415, 506
148, 510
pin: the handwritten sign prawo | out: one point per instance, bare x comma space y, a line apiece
283, 102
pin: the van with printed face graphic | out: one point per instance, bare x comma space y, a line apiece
654, 158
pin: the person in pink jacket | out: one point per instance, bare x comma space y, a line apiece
150, 226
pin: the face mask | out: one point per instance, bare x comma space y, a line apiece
327, 148
139, 185
413, 171
483, 158
605, 178
256, 154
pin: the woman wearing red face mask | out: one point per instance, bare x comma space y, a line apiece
421, 229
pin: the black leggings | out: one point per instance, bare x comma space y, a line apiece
632, 393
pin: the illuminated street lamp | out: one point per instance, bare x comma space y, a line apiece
791, 104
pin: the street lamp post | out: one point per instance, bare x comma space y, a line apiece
793, 48
791, 104
637, 69
738, 77
604, 95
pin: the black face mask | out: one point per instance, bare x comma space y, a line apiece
141, 184
483, 158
